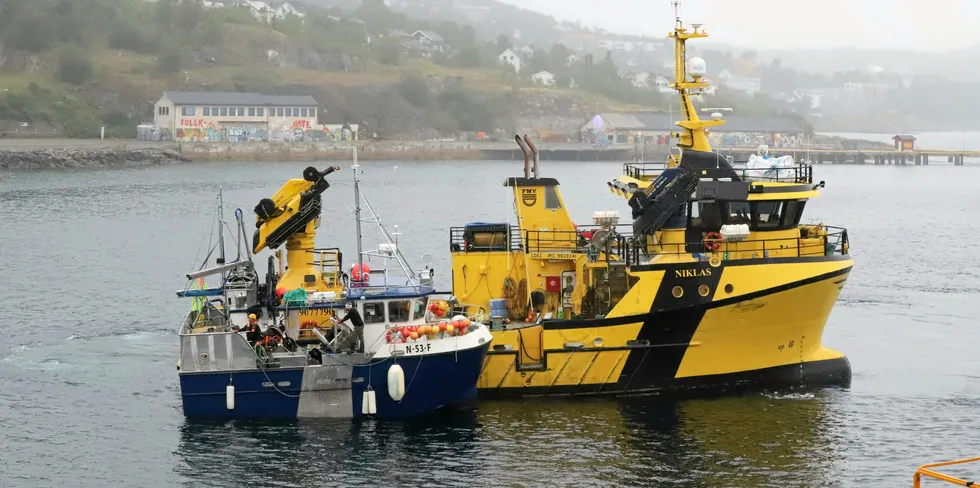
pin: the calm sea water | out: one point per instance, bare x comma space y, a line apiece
88, 386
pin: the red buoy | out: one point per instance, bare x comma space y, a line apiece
360, 272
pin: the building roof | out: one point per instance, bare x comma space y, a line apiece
431, 35
513, 52
904, 137
665, 122
238, 98
543, 73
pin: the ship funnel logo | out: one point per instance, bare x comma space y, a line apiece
529, 196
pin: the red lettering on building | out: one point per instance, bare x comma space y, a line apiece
303, 124
192, 122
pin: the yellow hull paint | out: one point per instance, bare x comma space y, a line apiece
772, 316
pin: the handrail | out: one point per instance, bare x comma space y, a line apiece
926, 470
798, 173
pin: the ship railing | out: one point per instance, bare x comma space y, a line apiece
460, 239
824, 241
330, 263
645, 170
799, 173
578, 241
926, 471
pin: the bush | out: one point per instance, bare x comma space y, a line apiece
169, 62
413, 88
126, 37
74, 66
387, 52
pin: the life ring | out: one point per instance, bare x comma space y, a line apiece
712, 241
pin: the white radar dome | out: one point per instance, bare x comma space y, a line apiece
716, 116
696, 67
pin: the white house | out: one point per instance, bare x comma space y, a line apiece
747, 85
571, 59
640, 80
543, 78
264, 12
663, 85
511, 58
430, 38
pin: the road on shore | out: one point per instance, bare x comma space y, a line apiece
40, 144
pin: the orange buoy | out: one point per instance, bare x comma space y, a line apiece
360, 272
442, 326
414, 336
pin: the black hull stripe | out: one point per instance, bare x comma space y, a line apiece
830, 372
630, 319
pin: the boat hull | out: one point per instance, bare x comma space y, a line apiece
432, 381
764, 332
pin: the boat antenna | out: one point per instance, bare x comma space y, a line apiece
221, 232
357, 212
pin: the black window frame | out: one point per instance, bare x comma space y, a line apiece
373, 318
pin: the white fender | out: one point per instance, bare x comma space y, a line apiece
372, 402
230, 397
396, 382
365, 403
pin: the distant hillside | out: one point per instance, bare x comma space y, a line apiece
71, 67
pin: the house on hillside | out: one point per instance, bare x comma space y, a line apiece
429, 38
745, 84
663, 85
543, 78
266, 13
511, 58
655, 128
640, 80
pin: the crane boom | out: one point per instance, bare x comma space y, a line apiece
291, 216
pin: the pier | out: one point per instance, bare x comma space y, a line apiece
917, 157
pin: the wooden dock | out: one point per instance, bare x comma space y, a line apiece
918, 157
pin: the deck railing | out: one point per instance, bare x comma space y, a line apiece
459, 241
799, 173
927, 472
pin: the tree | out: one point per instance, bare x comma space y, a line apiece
415, 90
503, 42
74, 66
169, 62
387, 52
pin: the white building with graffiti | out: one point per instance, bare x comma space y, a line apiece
243, 117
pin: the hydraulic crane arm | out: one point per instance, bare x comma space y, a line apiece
290, 210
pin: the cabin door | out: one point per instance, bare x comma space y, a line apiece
531, 355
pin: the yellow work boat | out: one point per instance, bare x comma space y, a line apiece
715, 287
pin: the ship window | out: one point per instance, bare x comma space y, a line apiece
398, 310
551, 200
767, 215
738, 213
794, 210
374, 312
419, 307
705, 215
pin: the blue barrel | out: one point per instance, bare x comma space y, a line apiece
498, 308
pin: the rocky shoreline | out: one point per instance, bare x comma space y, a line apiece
87, 157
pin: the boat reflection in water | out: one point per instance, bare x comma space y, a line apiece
748, 441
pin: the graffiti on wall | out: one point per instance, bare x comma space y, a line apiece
246, 133
745, 139
199, 130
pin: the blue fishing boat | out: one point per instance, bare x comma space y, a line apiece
313, 340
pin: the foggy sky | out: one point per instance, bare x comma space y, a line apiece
774, 24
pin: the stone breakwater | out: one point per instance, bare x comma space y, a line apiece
87, 157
